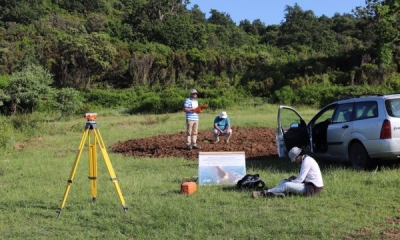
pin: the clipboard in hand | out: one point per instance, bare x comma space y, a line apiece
200, 108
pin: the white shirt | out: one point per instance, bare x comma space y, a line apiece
309, 172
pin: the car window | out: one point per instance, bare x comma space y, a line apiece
325, 115
393, 107
290, 118
367, 109
343, 113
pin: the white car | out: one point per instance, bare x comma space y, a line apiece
360, 130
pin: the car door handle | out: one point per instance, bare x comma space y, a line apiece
345, 126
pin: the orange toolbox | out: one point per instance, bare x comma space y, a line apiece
188, 188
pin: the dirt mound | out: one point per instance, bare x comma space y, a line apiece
256, 142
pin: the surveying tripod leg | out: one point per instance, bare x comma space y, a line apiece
110, 168
93, 170
73, 171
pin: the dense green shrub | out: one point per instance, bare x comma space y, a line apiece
48, 103
68, 101
28, 87
105, 98
151, 103
173, 99
320, 94
286, 96
220, 103
87, 108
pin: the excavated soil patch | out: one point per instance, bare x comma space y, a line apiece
256, 142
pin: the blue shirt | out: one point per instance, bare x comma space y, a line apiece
191, 103
222, 123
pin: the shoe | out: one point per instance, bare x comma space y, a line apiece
273, 195
189, 148
196, 147
226, 141
216, 141
256, 194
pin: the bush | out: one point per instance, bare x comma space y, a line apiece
320, 94
173, 99
68, 101
27, 87
150, 103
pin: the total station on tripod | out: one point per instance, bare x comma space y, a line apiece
92, 140
90, 116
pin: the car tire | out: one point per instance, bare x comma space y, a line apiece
358, 156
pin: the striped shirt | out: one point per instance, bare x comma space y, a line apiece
191, 103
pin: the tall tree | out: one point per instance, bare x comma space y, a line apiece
178, 32
381, 22
303, 28
255, 28
22, 11
220, 18
197, 15
159, 9
85, 59
83, 6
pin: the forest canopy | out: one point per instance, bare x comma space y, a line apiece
145, 54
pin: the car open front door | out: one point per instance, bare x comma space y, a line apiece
291, 130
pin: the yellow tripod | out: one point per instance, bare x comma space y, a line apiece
91, 126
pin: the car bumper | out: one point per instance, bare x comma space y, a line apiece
383, 149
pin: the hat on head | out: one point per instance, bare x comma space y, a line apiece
223, 115
193, 91
293, 153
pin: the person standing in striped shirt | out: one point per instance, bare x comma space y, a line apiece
192, 120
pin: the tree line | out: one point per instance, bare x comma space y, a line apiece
54, 52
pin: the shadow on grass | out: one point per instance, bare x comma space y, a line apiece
233, 188
274, 163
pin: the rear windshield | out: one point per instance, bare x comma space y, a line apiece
393, 107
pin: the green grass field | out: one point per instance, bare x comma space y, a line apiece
354, 205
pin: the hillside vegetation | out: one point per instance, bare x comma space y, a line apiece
72, 56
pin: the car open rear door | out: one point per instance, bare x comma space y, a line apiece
291, 130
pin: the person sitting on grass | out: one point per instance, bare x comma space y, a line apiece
308, 183
222, 127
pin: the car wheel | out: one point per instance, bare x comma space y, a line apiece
358, 156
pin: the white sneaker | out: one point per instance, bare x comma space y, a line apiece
216, 141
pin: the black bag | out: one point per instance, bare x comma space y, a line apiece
250, 181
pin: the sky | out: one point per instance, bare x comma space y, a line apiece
273, 11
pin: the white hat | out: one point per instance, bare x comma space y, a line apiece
193, 91
223, 115
293, 153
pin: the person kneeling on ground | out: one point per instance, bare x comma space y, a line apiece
222, 127
308, 183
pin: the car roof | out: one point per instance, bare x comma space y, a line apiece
367, 97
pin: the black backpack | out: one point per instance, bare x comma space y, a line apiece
250, 181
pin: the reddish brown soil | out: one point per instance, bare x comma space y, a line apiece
256, 142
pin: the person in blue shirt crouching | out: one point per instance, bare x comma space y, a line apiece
222, 127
